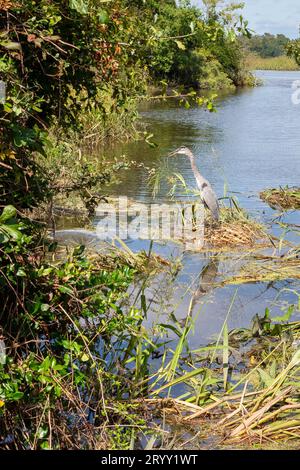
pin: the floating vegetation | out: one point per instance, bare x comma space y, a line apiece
235, 230
282, 198
263, 268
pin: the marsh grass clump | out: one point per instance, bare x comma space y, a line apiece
282, 198
236, 229
264, 268
283, 62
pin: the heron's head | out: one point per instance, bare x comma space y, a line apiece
180, 151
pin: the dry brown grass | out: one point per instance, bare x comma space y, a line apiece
6, 4
235, 230
233, 235
282, 198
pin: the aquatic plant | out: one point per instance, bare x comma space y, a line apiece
282, 198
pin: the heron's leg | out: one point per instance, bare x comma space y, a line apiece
194, 220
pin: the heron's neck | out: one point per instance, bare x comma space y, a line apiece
193, 164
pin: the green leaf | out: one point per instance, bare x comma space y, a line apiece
180, 379
81, 6
65, 290
10, 231
295, 359
16, 396
286, 316
103, 16
180, 45
171, 327
21, 272
85, 357
42, 432
45, 445
45, 271
265, 377
45, 307
8, 212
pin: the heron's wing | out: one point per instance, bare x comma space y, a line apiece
210, 199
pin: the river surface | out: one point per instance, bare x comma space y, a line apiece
250, 144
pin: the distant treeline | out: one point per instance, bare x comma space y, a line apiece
266, 45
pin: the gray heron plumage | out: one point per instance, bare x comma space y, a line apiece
207, 194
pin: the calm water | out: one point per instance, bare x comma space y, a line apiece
251, 143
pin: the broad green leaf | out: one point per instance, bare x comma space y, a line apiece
286, 316
8, 213
81, 6
10, 231
180, 45
103, 16
65, 290
16, 396
21, 272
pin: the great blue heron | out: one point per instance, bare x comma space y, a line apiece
207, 194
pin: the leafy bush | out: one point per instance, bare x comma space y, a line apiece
293, 50
266, 45
67, 337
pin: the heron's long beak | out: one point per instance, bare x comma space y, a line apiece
172, 154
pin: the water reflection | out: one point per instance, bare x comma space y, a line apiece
207, 280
